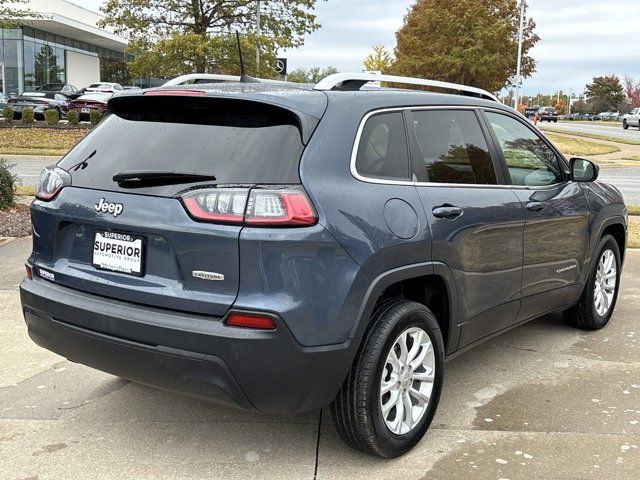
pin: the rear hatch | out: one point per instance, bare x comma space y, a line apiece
134, 240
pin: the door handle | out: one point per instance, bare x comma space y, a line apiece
536, 206
447, 211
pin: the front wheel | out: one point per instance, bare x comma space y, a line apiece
390, 396
625, 125
598, 300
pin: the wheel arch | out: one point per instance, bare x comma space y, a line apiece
616, 227
429, 283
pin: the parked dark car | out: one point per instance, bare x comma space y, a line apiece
90, 101
67, 89
39, 101
282, 248
548, 114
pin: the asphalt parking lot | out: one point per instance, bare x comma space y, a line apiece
543, 401
608, 129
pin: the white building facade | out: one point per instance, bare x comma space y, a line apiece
63, 44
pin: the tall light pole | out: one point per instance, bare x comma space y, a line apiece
259, 31
520, 35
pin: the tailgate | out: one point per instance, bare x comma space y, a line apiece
64, 239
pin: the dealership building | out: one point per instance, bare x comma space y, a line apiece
62, 43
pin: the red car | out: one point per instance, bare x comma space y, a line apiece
90, 101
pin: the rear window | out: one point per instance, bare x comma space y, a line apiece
382, 152
237, 141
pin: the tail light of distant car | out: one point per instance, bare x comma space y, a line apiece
260, 206
52, 180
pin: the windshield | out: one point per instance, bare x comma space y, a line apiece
235, 141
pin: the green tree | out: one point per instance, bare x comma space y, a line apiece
605, 93
378, 60
310, 75
11, 12
183, 36
473, 42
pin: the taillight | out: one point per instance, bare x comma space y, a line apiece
52, 180
220, 205
250, 320
279, 207
260, 206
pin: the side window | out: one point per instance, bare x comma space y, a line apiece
382, 151
530, 160
453, 147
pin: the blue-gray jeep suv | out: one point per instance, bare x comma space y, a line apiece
282, 248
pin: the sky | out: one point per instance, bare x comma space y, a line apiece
579, 38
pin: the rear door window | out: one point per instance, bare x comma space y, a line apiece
238, 142
382, 151
453, 147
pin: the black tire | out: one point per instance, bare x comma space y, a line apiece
356, 409
584, 315
625, 126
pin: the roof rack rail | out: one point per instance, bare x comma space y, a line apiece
208, 78
354, 81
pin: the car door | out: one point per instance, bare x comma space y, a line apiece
634, 118
476, 221
556, 233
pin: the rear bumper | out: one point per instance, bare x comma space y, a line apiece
197, 355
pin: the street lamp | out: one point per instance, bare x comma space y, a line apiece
520, 35
259, 31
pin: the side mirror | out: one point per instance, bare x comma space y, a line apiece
583, 170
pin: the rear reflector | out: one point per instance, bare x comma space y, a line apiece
248, 320
174, 93
29, 272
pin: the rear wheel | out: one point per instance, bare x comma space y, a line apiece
390, 396
598, 299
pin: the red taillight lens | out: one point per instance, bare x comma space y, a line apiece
29, 272
250, 320
265, 206
220, 205
50, 183
279, 207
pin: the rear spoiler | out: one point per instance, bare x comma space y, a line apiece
185, 106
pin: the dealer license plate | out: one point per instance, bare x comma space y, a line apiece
118, 252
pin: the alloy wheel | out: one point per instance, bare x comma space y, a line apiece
407, 381
605, 283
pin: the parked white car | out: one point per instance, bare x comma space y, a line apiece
631, 119
104, 87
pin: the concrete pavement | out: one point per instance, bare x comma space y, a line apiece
544, 401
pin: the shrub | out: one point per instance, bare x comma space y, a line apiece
7, 182
51, 116
28, 116
73, 117
94, 117
7, 113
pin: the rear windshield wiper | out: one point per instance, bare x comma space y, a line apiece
140, 178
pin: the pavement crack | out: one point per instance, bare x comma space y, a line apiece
315, 468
